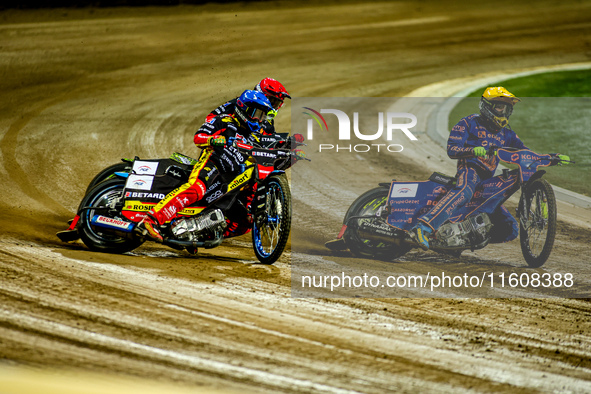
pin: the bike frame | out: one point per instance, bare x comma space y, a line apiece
408, 201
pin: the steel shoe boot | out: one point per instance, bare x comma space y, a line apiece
420, 234
148, 228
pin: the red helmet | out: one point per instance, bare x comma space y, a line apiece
274, 91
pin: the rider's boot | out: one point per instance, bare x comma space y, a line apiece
148, 227
419, 234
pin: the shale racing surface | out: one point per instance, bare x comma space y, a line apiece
81, 89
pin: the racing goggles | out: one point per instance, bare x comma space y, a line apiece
275, 102
502, 109
258, 114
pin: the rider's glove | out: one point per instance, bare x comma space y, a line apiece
218, 140
479, 151
564, 159
300, 154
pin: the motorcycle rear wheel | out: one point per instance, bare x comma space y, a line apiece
108, 173
368, 204
100, 197
537, 223
270, 230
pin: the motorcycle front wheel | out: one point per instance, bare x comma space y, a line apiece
271, 228
367, 205
537, 223
96, 202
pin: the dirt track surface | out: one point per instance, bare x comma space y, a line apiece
81, 89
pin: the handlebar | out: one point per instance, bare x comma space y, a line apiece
241, 146
273, 153
555, 159
296, 140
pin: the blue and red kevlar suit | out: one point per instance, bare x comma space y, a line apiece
215, 166
471, 132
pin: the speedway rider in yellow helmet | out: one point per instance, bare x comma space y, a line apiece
496, 105
468, 143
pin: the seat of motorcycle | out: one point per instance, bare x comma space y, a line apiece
443, 179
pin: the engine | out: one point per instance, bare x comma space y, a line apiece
192, 228
471, 232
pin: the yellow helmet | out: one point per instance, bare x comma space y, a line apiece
496, 105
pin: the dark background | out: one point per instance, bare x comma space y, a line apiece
24, 4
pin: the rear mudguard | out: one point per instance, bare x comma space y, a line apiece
71, 234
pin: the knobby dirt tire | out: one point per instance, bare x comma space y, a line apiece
537, 229
100, 196
368, 204
271, 232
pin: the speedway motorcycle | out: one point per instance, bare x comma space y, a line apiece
378, 223
118, 198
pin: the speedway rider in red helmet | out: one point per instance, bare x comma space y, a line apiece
468, 143
217, 159
275, 93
